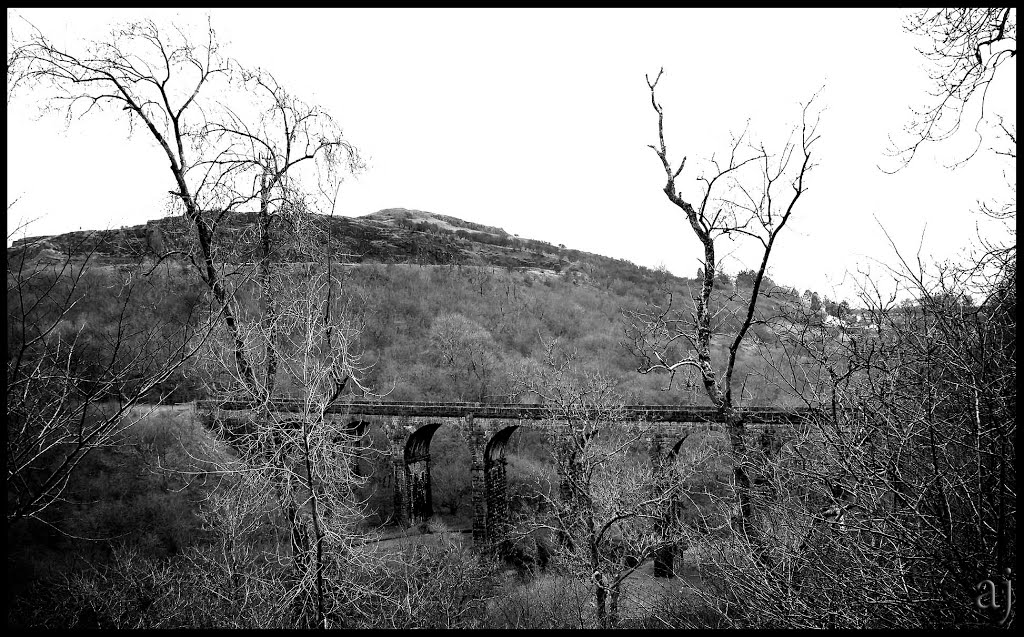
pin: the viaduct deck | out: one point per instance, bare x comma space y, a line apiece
515, 411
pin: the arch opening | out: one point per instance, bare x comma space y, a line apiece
496, 484
417, 472
673, 454
355, 431
665, 562
418, 445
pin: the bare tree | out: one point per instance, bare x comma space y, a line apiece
16, 63
610, 508
894, 505
891, 507
305, 457
241, 149
222, 163
735, 204
964, 50
964, 47
467, 351
70, 385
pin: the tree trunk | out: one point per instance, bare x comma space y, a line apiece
613, 616
602, 596
738, 445
299, 539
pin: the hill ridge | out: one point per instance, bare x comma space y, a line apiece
389, 235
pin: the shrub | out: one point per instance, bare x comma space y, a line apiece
548, 601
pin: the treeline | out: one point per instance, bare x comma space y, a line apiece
744, 279
453, 332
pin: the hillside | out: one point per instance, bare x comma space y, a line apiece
394, 235
413, 275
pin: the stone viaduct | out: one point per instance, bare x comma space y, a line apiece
409, 427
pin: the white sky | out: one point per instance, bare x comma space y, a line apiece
538, 121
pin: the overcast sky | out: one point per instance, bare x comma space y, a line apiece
538, 121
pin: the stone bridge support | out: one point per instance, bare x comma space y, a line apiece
665, 445
357, 428
496, 488
659, 461
397, 437
488, 440
477, 444
409, 445
352, 432
417, 472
